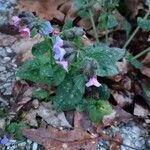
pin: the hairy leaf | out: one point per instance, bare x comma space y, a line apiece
107, 21
104, 92
144, 24
97, 109
67, 96
41, 48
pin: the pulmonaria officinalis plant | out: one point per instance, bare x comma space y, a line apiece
62, 61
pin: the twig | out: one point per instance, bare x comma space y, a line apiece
93, 25
142, 53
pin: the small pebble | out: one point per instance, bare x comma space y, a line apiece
2, 68
8, 50
34, 146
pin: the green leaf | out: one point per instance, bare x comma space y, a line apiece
3, 112
68, 24
79, 82
133, 61
127, 27
143, 24
15, 128
59, 75
146, 89
68, 96
107, 21
106, 57
104, 92
109, 70
33, 70
97, 109
34, 32
41, 48
40, 94
148, 3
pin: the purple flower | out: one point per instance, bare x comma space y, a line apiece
93, 82
15, 20
64, 64
46, 28
5, 140
25, 32
59, 53
59, 42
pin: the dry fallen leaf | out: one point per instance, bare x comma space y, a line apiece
117, 115
23, 48
141, 111
7, 40
55, 139
47, 9
46, 112
121, 99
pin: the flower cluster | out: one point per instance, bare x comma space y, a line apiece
46, 29
60, 53
24, 31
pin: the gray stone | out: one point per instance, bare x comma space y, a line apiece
29, 141
8, 50
34, 146
22, 144
2, 68
6, 59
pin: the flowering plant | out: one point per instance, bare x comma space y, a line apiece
62, 61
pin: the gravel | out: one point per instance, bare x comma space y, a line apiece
6, 10
133, 135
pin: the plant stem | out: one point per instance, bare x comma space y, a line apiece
135, 31
142, 53
93, 25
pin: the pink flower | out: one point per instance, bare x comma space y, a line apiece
15, 20
25, 32
55, 32
59, 53
64, 64
93, 82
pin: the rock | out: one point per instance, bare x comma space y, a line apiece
2, 68
29, 141
34, 146
8, 50
7, 59
22, 144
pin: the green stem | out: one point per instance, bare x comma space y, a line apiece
93, 25
142, 53
135, 31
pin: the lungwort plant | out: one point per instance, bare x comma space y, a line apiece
61, 60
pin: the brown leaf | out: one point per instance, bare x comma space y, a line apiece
23, 48
121, 99
54, 139
46, 112
81, 119
141, 111
7, 40
47, 9
118, 115
116, 142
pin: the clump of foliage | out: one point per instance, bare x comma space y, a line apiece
62, 61
15, 128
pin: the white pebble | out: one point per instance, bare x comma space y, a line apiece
34, 146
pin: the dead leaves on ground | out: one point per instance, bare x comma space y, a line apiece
55, 139
46, 112
47, 9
